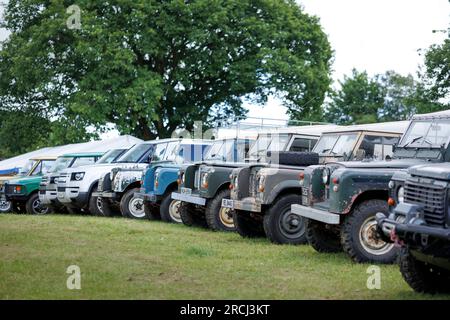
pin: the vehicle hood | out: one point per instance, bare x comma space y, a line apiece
437, 171
25, 180
102, 168
391, 164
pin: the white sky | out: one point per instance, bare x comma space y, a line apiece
372, 35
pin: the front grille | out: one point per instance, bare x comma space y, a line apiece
61, 189
197, 179
252, 185
432, 198
9, 189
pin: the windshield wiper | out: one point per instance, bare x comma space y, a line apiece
412, 141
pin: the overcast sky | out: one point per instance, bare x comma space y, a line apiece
372, 35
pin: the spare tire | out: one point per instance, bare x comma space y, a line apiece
292, 158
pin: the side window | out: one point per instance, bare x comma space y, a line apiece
303, 145
376, 147
46, 166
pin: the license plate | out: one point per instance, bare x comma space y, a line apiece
227, 203
61, 194
186, 191
304, 200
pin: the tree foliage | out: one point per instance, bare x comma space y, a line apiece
153, 66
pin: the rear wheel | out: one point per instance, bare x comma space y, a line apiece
170, 209
190, 216
359, 236
322, 237
247, 226
423, 277
281, 225
5, 206
217, 217
34, 206
131, 206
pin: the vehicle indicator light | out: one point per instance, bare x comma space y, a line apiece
391, 202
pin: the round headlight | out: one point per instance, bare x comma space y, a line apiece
391, 184
183, 177
401, 195
326, 176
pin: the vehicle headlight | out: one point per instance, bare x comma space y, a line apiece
77, 176
326, 176
156, 178
235, 182
401, 194
261, 183
391, 184
204, 179
182, 177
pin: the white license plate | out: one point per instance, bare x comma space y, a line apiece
227, 203
186, 191
61, 194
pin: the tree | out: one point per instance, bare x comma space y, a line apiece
357, 101
153, 66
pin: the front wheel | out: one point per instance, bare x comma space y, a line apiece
96, 206
5, 206
34, 206
322, 237
131, 206
152, 212
170, 209
359, 236
423, 277
217, 217
281, 225
247, 226
190, 216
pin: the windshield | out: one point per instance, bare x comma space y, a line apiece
61, 163
136, 153
166, 152
427, 134
278, 142
326, 143
264, 143
221, 150
345, 144
110, 156
43, 167
27, 167
83, 161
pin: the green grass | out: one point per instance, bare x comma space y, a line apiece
126, 259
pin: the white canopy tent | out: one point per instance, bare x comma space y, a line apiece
122, 142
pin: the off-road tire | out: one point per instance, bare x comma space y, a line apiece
108, 208
321, 238
247, 226
350, 233
93, 207
30, 208
124, 205
152, 212
191, 217
423, 277
164, 209
212, 213
276, 231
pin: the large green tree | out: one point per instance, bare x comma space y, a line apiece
153, 66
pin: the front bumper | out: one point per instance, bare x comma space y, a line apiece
247, 204
189, 198
106, 194
412, 228
316, 214
72, 197
147, 197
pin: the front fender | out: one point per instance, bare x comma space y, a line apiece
167, 177
353, 183
217, 180
126, 179
275, 192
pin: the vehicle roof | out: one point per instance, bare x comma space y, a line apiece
312, 130
44, 158
434, 115
82, 155
398, 127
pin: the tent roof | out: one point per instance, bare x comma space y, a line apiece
92, 146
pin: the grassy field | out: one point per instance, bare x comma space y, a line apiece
125, 259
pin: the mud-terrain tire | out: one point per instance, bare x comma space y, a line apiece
169, 209
423, 277
190, 216
33, 206
359, 236
291, 158
218, 218
132, 207
246, 226
108, 209
152, 212
281, 225
95, 205
321, 238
